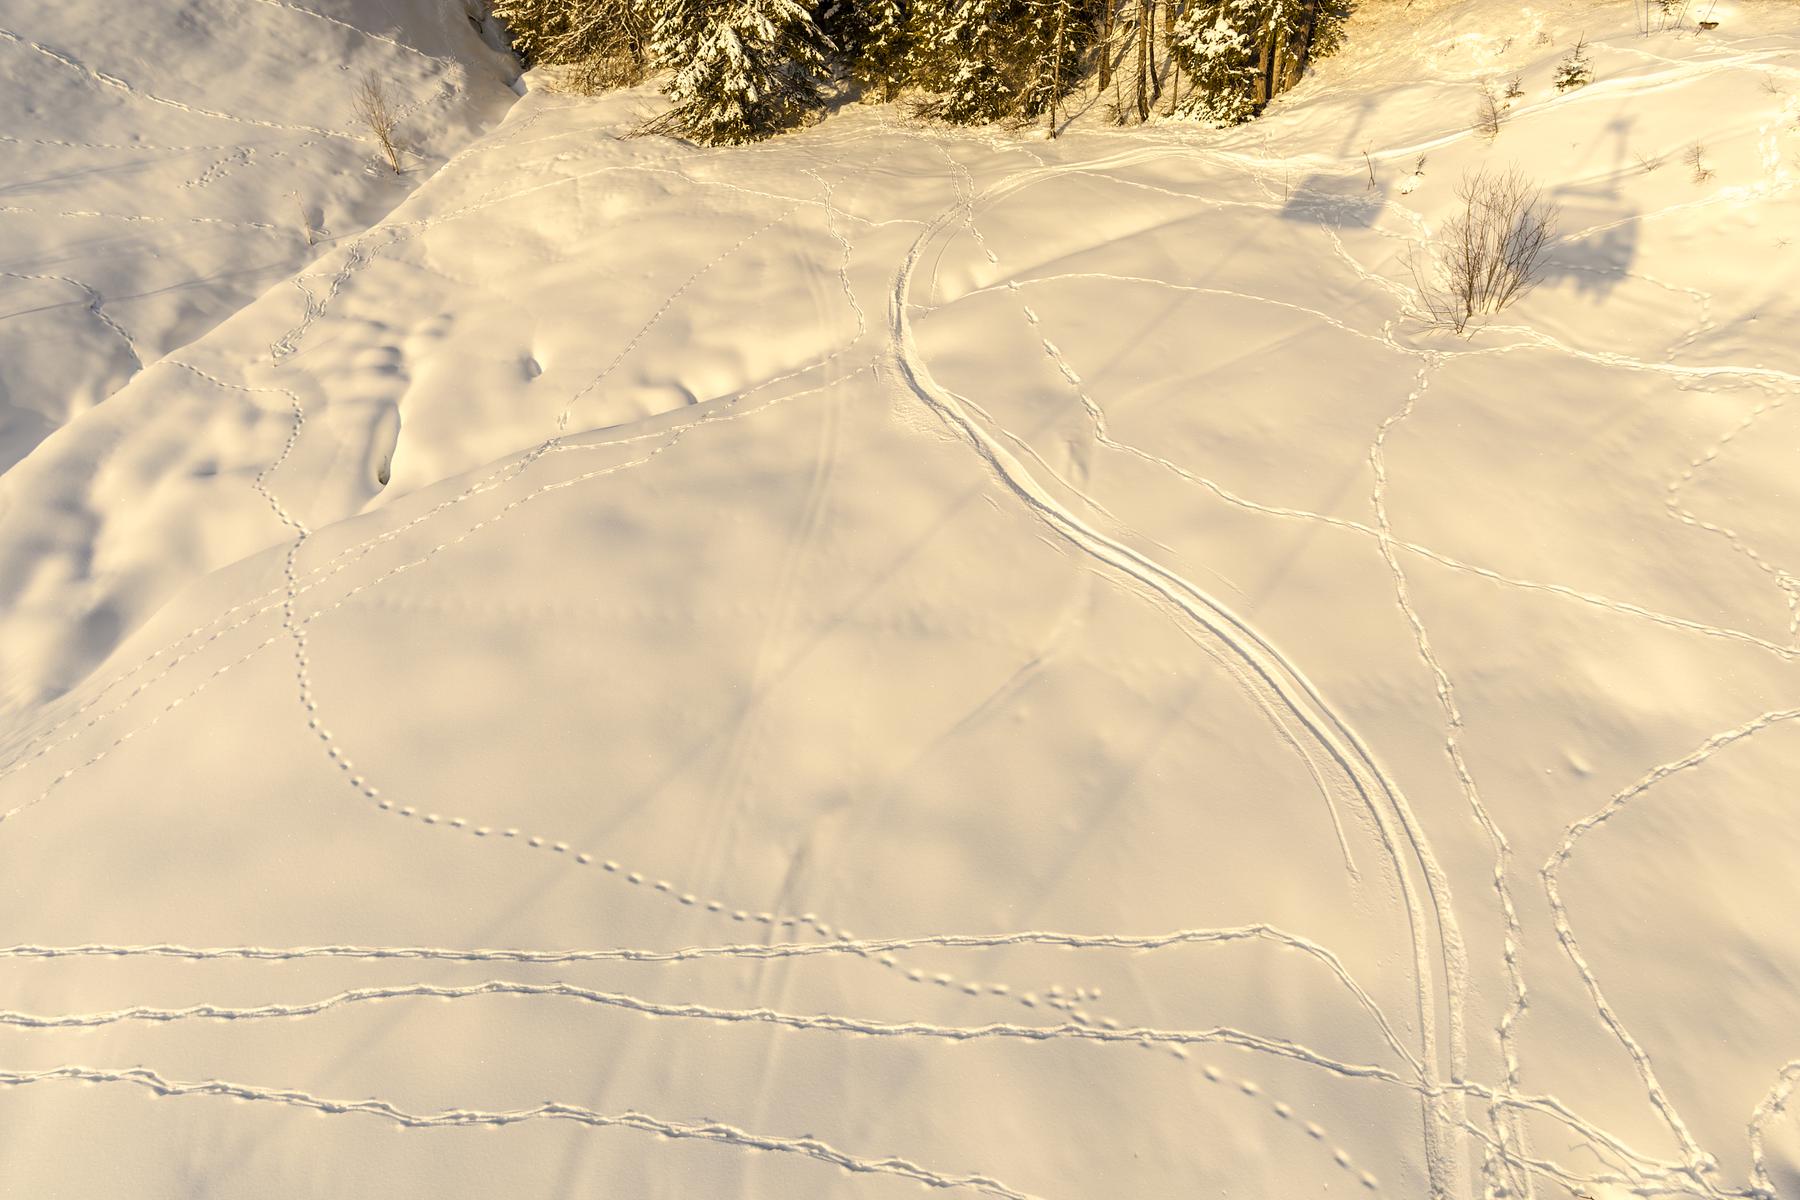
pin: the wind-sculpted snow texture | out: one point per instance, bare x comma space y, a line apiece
901, 657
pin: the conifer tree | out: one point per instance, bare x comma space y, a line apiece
1574, 70
880, 57
675, 33
1215, 53
990, 60
742, 69
1240, 54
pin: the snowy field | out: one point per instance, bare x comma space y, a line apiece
895, 656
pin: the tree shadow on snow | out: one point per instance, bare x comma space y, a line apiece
1334, 200
1598, 246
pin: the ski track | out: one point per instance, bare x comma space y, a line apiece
1269, 679
1206, 620
1246, 1087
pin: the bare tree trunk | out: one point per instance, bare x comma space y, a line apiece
1062, 31
1143, 62
1155, 71
1106, 43
1265, 56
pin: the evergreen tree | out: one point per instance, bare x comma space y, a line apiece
742, 69
1215, 53
880, 55
1240, 54
990, 60
1574, 70
675, 33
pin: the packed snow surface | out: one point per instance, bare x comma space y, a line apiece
895, 656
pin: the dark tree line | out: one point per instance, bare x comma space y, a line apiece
740, 70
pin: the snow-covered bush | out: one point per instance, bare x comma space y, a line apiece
1575, 70
741, 70
1493, 249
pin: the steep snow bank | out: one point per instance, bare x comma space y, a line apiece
167, 162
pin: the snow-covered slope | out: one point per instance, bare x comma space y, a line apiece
1103, 702
165, 166
167, 162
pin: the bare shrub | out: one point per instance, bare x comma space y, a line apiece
591, 45
1515, 87
1494, 249
592, 76
1487, 115
306, 224
1695, 158
376, 112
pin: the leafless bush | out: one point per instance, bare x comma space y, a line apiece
1649, 164
591, 45
306, 224
1487, 115
1695, 158
1494, 249
602, 71
376, 112
1515, 87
